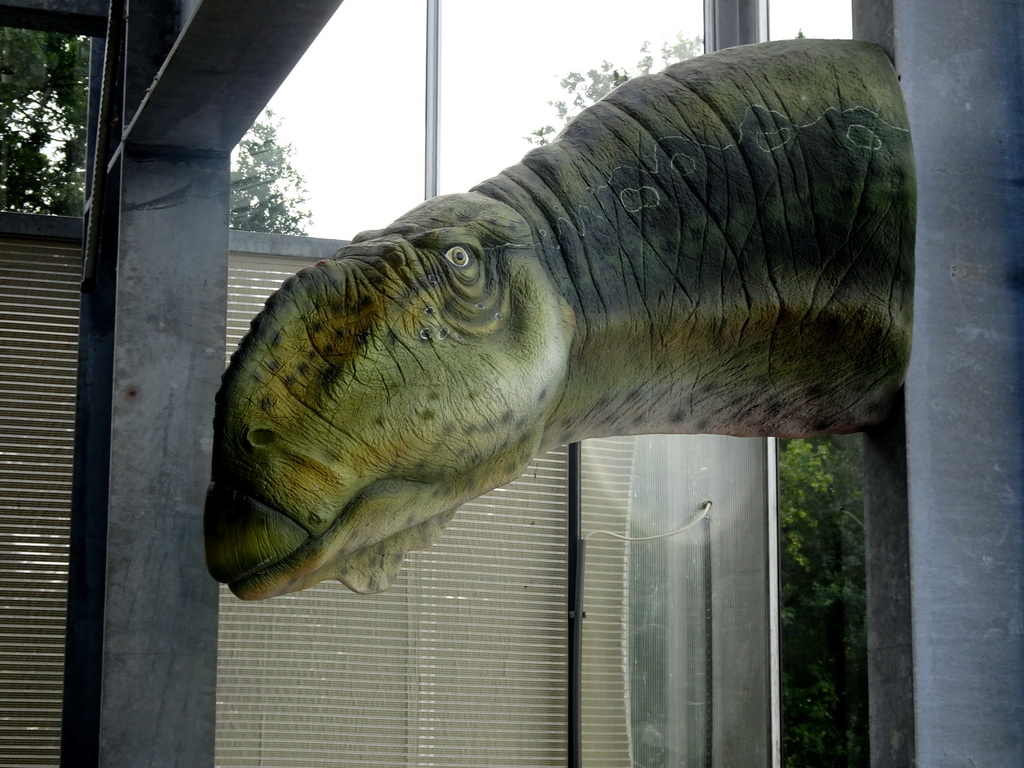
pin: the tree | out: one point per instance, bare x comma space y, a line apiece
267, 193
43, 104
823, 596
584, 90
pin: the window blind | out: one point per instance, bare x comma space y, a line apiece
460, 663
38, 343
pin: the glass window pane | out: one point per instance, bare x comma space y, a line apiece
823, 600
809, 18
39, 295
676, 637
43, 105
353, 110
502, 64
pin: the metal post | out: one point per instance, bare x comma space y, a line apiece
87, 545
734, 22
160, 622
728, 23
576, 567
433, 95
962, 67
889, 621
142, 609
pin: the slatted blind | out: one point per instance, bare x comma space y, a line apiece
38, 343
460, 663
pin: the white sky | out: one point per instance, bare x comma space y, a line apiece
353, 107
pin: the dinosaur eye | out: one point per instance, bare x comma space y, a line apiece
458, 256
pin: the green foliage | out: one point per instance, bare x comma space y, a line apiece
267, 193
584, 90
43, 104
823, 603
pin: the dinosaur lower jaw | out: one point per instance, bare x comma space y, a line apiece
365, 571
260, 551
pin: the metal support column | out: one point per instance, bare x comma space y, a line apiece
962, 68
433, 99
160, 623
734, 22
142, 634
142, 612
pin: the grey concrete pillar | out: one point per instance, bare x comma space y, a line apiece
962, 67
160, 620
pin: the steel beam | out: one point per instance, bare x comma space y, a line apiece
873, 21
433, 98
75, 17
229, 60
87, 545
889, 619
142, 633
160, 614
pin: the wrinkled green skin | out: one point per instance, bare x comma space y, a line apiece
726, 247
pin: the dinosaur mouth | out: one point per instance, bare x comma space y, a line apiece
260, 552
244, 536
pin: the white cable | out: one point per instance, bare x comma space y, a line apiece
705, 509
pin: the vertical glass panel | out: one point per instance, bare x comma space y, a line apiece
677, 640
823, 596
43, 103
809, 18
460, 663
502, 64
821, 532
353, 111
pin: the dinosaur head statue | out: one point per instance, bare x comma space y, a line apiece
725, 247
376, 393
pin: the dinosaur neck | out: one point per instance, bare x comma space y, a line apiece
647, 359
660, 355
647, 356
700, 339
747, 305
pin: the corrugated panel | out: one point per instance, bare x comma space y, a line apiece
460, 663
38, 347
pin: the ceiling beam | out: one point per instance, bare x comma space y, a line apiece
75, 17
227, 63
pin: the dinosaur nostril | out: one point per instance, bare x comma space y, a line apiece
259, 438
